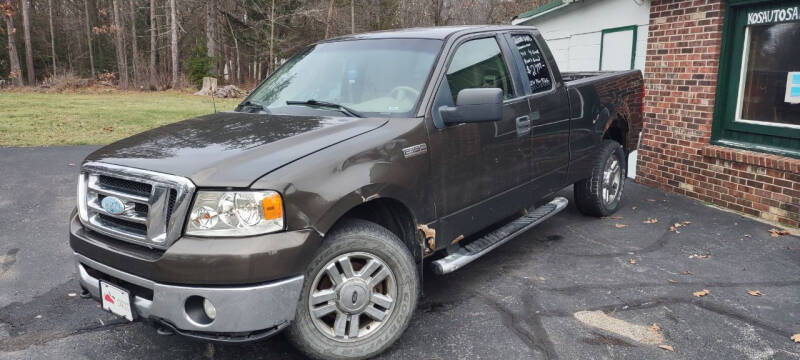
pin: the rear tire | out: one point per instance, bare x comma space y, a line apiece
338, 292
601, 194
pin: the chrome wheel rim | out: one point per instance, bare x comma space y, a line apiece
352, 296
612, 180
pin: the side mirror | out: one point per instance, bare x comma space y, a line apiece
474, 105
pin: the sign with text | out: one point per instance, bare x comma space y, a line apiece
786, 14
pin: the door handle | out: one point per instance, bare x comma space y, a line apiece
523, 125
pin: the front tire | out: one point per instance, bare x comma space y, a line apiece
601, 194
359, 294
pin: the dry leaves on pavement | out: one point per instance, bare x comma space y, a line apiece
667, 347
633, 261
651, 220
699, 256
701, 293
777, 232
620, 226
754, 292
796, 337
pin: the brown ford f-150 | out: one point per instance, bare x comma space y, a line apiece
314, 206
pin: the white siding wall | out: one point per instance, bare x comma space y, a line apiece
574, 32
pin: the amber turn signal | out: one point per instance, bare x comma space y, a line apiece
272, 206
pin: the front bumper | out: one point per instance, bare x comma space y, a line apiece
241, 310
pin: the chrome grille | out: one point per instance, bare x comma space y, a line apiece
155, 204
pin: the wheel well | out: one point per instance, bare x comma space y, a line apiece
618, 131
391, 214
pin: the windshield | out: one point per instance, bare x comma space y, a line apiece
373, 77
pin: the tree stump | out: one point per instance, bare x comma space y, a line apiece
209, 86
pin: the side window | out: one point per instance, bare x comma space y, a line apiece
479, 64
535, 65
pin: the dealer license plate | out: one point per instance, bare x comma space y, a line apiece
116, 300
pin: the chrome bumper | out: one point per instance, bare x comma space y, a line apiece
239, 309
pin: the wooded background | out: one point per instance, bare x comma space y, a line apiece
159, 44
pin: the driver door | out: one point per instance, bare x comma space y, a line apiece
479, 168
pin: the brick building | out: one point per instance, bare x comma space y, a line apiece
721, 124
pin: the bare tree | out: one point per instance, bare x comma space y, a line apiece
134, 45
26, 28
122, 61
271, 41
328, 20
173, 24
89, 35
8, 11
211, 34
52, 35
153, 45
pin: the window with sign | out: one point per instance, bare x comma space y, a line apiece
758, 99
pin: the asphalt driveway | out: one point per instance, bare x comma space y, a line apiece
574, 287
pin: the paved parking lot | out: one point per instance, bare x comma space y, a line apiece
572, 288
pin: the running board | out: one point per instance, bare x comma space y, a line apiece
481, 246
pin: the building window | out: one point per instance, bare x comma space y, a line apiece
758, 97
618, 48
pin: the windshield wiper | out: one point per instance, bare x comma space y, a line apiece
327, 104
250, 105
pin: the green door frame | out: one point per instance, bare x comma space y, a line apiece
618, 29
724, 130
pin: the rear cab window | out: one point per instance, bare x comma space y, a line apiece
534, 65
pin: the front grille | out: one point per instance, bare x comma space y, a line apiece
123, 185
154, 204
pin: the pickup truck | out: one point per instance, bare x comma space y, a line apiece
315, 206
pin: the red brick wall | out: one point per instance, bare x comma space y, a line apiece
675, 155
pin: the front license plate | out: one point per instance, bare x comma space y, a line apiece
116, 300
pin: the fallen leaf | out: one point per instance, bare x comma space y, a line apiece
777, 232
667, 347
651, 220
701, 293
686, 272
616, 217
651, 200
754, 292
687, 222
655, 327
674, 229
671, 281
699, 256
677, 225
620, 226
747, 235
633, 261
796, 337
38, 316
72, 294
633, 207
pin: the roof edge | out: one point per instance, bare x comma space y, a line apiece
541, 10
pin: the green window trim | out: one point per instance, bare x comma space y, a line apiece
634, 28
725, 131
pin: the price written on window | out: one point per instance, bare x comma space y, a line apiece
535, 65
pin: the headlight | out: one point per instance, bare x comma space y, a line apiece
235, 213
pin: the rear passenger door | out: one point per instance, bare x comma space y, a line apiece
479, 167
549, 113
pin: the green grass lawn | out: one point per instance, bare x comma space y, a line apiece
38, 119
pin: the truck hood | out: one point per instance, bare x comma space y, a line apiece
231, 149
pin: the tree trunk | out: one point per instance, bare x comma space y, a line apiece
352, 17
16, 71
236, 47
328, 20
134, 44
211, 35
271, 39
122, 61
153, 46
89, 36
173, 24
52, 35
26, 28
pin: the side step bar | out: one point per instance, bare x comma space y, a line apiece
481, 246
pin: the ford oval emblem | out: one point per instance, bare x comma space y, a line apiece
112, 205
